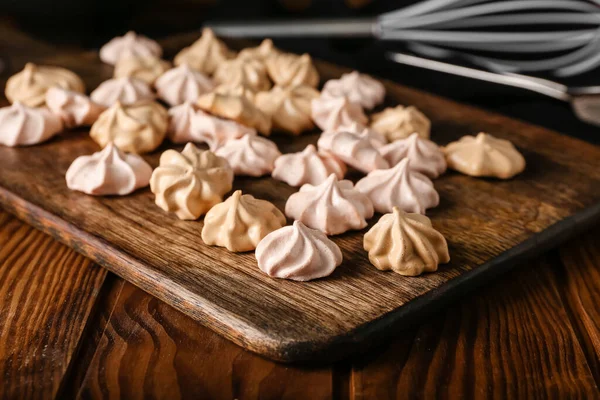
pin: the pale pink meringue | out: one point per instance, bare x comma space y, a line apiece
75, 109
297, 253
332, 113
376, 139
399, 186
108, 172
125, 90
308, 166
21, 125
129, 45
358, 88
355, 150
332, 207
181, 84
250, 155
424, 155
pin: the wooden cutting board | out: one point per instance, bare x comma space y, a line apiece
490, 226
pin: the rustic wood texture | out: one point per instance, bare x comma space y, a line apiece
291, 321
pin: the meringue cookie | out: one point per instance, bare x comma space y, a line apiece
125, 90
191, 182
400, 122
377, 140
262, 52
241, 222
297, 253
129, 45
21, 125
205, 54
424, 155
287, 69
308, 166
108, 172
332, 207
136, 128
75, 109
182, 84
30, 85
406, 244
399, 186
147, 69
358, 88
246, 72
485, 156
355, 150
289, 108
250, 155
332, 113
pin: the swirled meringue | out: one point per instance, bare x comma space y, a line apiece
246, 72
332, 207
30, 85
181, 84
287, 69
264, 51
355, 150
406, 244
146, 69
400, 122
75, 109
250, 155
399, 186
377, 140
205, 54
241, 222
191, 182
297, 253
136, 128
308, 166
21, 125
129, 45
358, 88
108, 172
123, 90
332, 113
485, 156
289, 108
424, 155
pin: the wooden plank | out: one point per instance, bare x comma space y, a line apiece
46, 295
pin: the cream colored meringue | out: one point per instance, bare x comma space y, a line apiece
136, 128
246, 72
399, 186
308, 166
250, 155
129, 45
147, 69
358, 88
108, 172
332, 113
377, 140
262, 52
400, 122
125, 90
241, 222
332, 207
406, 244
205, 54
75, 109
484, 156
424, 155
30, 85
297, 253
287, 69
355, 150
289, 108
191, 182
182, 84
21, 125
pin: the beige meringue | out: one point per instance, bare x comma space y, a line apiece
246, 72
147, 69
264, 51
355, 150
287, 69
358, 88
332, 113
332, 207
181, 84
377, 140
21, 125
250, 155
289, 108
191, 182
75, 109
125, 90
241, 222
108, 172
485, 156
205, 54
308, 166
400, 122
424, 155
129, 45
136, 128
406, 244
298, 253
399, 186
30, 85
